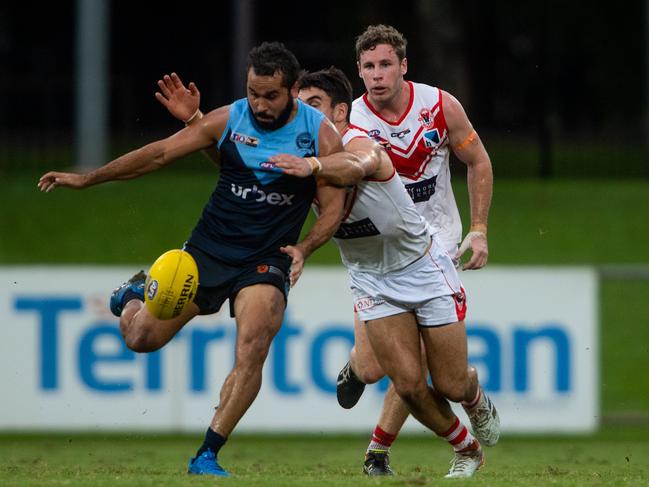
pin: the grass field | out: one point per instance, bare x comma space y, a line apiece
612, 457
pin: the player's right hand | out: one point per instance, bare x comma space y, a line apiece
292, 165
181, 102
51, 180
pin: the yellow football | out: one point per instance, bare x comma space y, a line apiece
171, 284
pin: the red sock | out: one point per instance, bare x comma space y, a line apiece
381, 440
460, 438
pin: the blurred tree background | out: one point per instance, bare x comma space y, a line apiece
555, 88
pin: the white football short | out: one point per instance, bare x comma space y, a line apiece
430, 287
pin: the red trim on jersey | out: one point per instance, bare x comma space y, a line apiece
352, 126
394, 171
403, 115
441, 111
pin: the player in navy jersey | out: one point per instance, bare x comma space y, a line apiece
245, 243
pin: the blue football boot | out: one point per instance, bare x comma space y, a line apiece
134, 288
206, 464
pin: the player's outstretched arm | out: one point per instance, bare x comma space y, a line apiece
183, 103
361, 158
145, 159
468, 147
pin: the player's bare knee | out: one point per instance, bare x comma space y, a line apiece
368, 373
140, 342
254, 350
410, 388
454, 391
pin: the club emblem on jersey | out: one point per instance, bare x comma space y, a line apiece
304, 140
244, 139
426, 118
262, 269
431, 138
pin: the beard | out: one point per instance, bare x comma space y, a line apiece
281, 119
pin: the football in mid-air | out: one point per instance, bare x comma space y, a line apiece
171, 284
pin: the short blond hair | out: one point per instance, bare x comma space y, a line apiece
381, 34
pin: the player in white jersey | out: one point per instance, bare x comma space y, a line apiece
419, 125
380, 233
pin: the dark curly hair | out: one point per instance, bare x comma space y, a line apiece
333, 82
381, 34
272, 57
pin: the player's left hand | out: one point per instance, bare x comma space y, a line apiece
477, 241
292, 165
297, 265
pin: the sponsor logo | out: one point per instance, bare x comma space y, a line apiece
267, 165
367, 303
400, 135
262, 269
358, 229
259, 195
152, 289
426, 118
422, 190
304, 140
244, 139
186, 295
431, 138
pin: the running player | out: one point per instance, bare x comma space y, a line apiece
419, 125
245, 241
401, 295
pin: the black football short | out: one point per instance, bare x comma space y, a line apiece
218, 280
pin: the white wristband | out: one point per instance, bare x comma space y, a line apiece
197, 113
316, 165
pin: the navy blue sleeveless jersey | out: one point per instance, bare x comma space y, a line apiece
255, 209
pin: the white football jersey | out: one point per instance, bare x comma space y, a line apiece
381, 230
418, 146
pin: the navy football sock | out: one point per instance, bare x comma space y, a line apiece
213, 441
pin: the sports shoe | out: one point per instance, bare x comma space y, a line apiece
135, 285
485, 421
349, 387
206, 464
377, 462
466, 462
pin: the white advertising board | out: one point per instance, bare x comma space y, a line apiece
532, 331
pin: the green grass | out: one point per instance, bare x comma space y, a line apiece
532, 222
625, 348
612, 457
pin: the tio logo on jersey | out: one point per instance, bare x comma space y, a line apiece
259, 195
